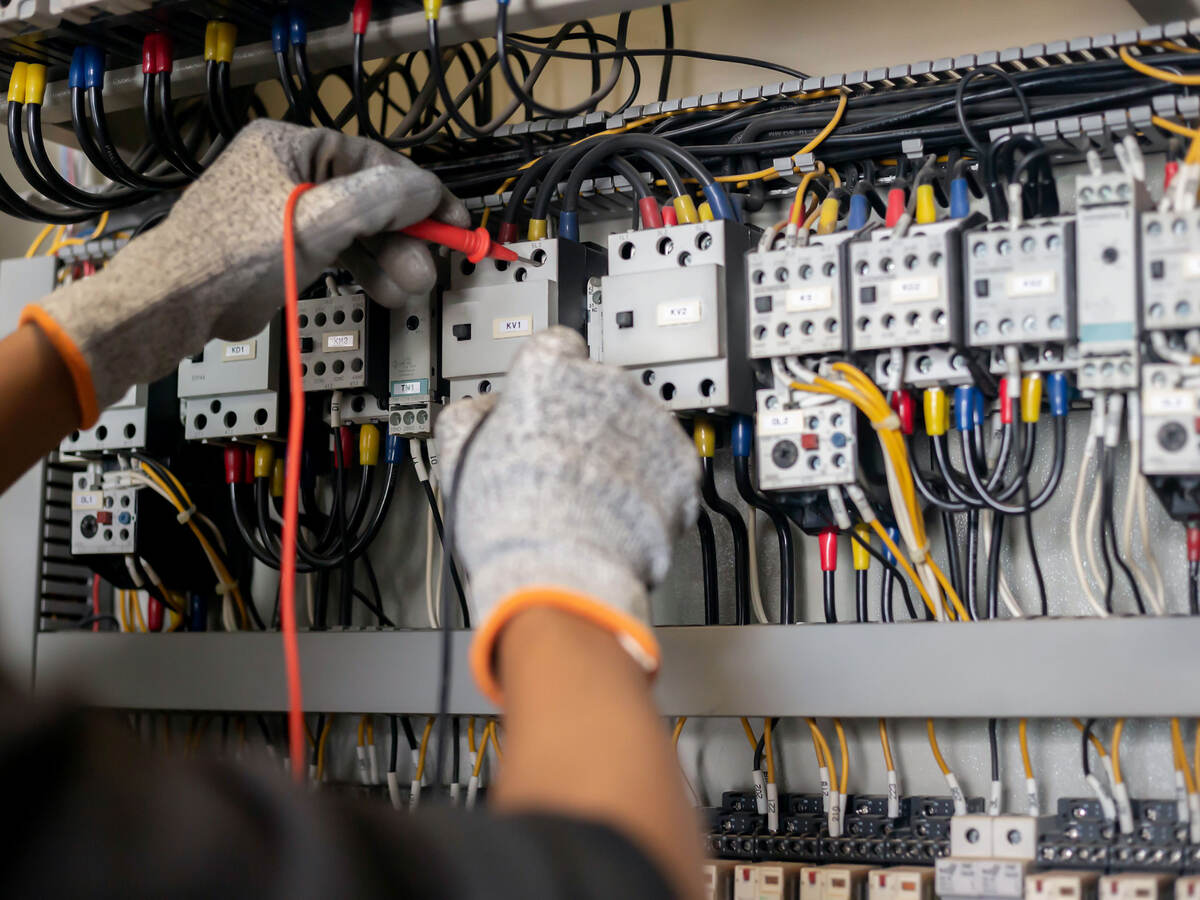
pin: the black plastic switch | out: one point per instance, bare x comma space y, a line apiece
981, 287
763, 303
867, 294
307, 345
461, 332
625, 319
1158, 269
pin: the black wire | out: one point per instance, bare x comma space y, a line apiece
117, 165
953, 558
437, 521
960, 93
708, 565
380, 617
409, 734
993, 567
345, 609
892, 571
295, 111
828, 595
394, 758
1087, 733
1194, 588
455, 748
741, 540
316, 748
886, 612
761, 748
664, 80
783, 532
994, 744
216, 111
972, 575
1111, 530
102, 617
1027, 518
862, 614
1105, 497
312, 98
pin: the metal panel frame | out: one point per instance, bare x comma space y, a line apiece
1028, 668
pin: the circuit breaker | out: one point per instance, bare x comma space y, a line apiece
1020, 289
1170, 403
412, 368
343, 343
674, 313
1171, 270
145, 418
103, 522
230, 389
798, 299
804, 448
493, 308
1108, 279
907, 291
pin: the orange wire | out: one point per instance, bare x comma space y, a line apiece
291, 493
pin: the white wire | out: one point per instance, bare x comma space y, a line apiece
1131, 500
756, 602
1147, 548
430, 606
1073, 529
1006, 594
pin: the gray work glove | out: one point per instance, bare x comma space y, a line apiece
570, 496
214, 267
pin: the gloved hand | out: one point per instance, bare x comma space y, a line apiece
570, 496
214, 267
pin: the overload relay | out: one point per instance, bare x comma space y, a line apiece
804, 448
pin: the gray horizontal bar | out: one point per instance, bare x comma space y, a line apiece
1049, 667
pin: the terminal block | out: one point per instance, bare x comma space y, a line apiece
412, 369
1170, 419
493, 308
1020, 287
805, 448
1108, 279
343, 343
103, 522
907, 291
1171, 270
145, 418
674, 313
798, 299
230, 389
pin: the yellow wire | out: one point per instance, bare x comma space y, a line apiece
845, 750
1022, 733
121, 610
496, 740
1181, 761
424, 747
817, 748
362, 730
795, 214
37, 242
749, 733
887, 745
937, 751
770, 753
678, 731
60, 241
138, 615
321, 748
471, 734
487, 736
1096, 742
1118, 729
1175, 127
1161, 74
819, 737
1196, 751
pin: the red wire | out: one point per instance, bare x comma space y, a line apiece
291, 492
96, 601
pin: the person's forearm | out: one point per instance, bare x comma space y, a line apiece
584, 738
37, 401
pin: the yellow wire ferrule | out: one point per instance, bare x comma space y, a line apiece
264, 459
368, 445
926, 205
1031, 397
35, 84
685, 210
705, 437
210, 41
706, 213
937, 411
537, 230
16, 83
433, 9
226, 41
278, 476
827, 223
858, 554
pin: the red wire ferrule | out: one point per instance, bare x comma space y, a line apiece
154, 615
1193, 543
902, 405
895, 206
345, 436
669, 216
247, 465
235, 465
508, 232
1170, 170
828, 541
150, 53
1006, 403
361, 16
652, 215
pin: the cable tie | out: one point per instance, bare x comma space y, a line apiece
186, 515
890, 423
918, 555
224, 589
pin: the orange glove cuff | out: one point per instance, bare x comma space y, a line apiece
81, 373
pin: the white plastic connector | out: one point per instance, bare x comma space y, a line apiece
393, 785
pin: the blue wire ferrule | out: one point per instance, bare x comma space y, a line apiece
279, 32
1060, 393
860, 212
960, 199
395, 450
297, 28
894, 533
568, 225
75, 75
93, 67
978, 407
962, 408
197, 613
718, 201
743, 435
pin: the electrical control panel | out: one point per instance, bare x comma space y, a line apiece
798, 299
343, 343
674, 313
1171, 270
1020, 290
907, 291
1108, 279
230, 389
103, 521
493, 307
805, 447
1170, 409
412, 368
